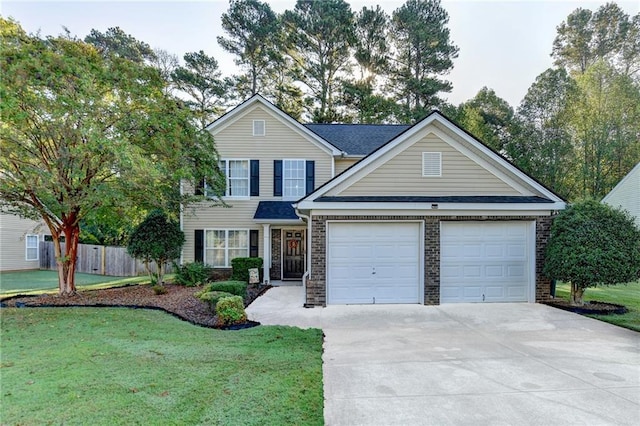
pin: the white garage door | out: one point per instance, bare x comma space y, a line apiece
486, 261
373, 263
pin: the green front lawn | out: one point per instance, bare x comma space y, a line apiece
627, 295
105, 366
42, 281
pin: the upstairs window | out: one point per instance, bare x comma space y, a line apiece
259, 128
431, 164
237, 173
293, 179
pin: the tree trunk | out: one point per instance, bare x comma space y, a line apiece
66, 262
577, 292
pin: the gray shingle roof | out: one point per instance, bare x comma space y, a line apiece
357, 139
275, 210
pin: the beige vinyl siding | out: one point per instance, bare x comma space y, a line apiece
280, 141
236, 141
13, 242
238, 216
626, 195
343, 164
402, 175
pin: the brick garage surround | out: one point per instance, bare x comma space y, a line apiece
316, 283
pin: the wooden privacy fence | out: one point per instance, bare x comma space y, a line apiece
99, 260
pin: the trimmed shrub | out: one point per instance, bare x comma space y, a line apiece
592, 244
157, 239
237, 288
241, 266
213, 297
230, 310
191, 274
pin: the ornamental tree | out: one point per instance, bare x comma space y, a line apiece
592, 244
157, 239
82, 130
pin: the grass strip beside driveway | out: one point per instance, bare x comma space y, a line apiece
621, 294
105, 366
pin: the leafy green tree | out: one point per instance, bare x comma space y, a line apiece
608, 34
542, 145
604, 119
424, 52
81, 131
321, 33
362, 98
371, 48
592, 244
489, 118
116, 42
201, 80
157, 239
253, 32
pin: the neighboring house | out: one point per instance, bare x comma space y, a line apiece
374, 214
20, 242
626, 194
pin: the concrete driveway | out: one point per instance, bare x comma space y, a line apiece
476, 364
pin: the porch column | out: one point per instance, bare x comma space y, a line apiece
266, 256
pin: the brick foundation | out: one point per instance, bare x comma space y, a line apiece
316, 284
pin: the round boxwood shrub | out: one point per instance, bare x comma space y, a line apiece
212, 297
592, 244
230, 310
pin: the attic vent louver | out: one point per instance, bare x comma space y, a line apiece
432, 164
258, 128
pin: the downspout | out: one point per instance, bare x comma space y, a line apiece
181, 223
307, 272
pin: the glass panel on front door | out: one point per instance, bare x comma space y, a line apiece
293, 255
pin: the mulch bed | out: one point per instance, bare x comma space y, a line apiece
589, 308
178, 300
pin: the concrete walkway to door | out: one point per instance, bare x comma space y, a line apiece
475, 364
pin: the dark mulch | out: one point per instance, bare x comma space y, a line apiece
589, 308
178, 300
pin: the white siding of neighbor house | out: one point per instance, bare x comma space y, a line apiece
343, 164
402, 175
236, 141
13, 242
626, 194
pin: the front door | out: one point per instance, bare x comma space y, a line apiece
293, 255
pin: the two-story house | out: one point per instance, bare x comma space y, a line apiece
374, 213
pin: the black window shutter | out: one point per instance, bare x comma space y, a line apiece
200, 187
254, 183
277, 178
199, 252
311, 176
253, 243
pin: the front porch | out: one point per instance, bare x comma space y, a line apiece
284, 243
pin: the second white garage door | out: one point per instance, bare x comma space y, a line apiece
373, 262
486, 261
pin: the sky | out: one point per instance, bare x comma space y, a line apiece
504, 45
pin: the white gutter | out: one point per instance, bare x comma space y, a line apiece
307, 272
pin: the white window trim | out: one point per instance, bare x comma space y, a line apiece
425, 155
227, 261
226, 176
264, 128
304, 180
26, 247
